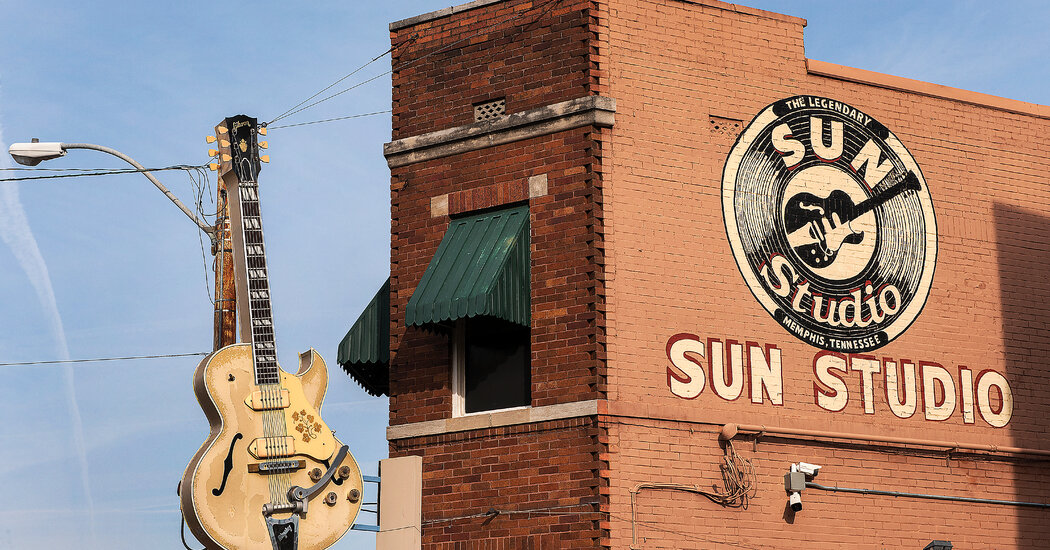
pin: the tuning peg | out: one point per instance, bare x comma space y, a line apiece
265, 158
213, 166
213, 152
226, 158
223, 130
210, 139
223, 143
262, 130
264, 145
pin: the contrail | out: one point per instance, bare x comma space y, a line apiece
15, 232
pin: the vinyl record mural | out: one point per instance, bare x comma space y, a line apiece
830, 222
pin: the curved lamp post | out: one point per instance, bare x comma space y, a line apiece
31, 154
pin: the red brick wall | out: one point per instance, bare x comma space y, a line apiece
564, 366
549, 465
532, 52
629, 248
548, 468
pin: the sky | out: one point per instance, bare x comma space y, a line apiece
107, 267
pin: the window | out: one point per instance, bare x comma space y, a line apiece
490, 366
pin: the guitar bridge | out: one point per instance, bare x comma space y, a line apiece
276, 467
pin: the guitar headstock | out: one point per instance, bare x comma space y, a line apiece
911, 182
238, 147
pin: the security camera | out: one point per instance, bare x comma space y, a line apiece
795, 500
810, 470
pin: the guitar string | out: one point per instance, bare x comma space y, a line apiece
275, 422
268, 427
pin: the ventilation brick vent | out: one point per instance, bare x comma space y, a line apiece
490, 110
729, 127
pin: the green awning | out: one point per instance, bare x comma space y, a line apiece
364, 353
481, 267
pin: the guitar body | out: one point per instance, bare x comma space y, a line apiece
817, 228
221, 499
815, 240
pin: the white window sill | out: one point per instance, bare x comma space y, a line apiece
493, 419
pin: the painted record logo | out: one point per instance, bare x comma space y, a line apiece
831, 223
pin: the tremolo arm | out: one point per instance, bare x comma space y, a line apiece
298, 497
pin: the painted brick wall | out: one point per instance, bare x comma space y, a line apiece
687, 77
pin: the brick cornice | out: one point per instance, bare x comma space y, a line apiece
524, 415
584, 111
901, 84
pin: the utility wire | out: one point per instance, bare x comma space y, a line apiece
330, 86
35, 169
97, 359
329, 119
299, 108
107, 172
337, 94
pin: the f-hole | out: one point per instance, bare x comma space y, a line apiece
227, 466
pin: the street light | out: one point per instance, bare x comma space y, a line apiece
31, 154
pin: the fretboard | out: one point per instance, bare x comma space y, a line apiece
259, 316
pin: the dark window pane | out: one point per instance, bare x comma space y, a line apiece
497, 365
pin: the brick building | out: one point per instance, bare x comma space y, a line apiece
646, 256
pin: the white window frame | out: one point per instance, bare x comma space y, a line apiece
459, 375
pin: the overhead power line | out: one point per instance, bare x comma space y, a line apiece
292, 110
301, 107
337, 94
330, 119
79, 174
97, 359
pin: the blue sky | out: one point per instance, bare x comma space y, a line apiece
101, 267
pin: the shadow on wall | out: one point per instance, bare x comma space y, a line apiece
1023, 246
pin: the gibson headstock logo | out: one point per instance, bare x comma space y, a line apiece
830, 222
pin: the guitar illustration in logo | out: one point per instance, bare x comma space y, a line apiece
817, 228
831, 223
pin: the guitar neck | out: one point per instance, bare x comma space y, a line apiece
241, 164
259, 314
909, 182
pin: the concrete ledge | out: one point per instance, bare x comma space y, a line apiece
493, 420
584, 111
437, 14
445, 12
899, 83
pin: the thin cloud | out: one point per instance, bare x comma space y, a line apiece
17, 235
